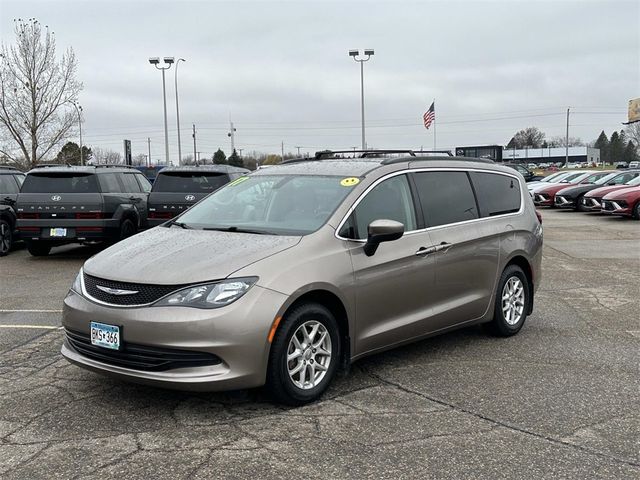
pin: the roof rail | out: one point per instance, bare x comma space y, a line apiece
112, 165
390, 161
50, 165
300, 159
442, 152
363, 153
8, 167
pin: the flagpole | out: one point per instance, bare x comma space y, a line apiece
434, 124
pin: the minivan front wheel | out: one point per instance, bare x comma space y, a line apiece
511, 303
304, 355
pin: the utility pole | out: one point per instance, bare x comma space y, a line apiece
155, 61
178, 112
566, 147
231, 135
198, 160
354, 54
194, 142
282, 146
240, 150
298, 151
149, 147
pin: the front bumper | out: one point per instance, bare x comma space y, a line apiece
542, 200
236, 334
615, 207
591, 204
564, 202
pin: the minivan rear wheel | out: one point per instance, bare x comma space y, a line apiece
38, 249
511, 302
304, 355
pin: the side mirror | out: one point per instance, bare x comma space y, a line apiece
382, 231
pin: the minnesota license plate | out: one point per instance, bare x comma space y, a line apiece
58, 232
106, 336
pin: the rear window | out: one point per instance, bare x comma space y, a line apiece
191, 182
60, 183
497, 194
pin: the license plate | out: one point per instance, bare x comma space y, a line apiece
106, 336
58, 232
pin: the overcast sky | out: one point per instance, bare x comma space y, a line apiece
281, 70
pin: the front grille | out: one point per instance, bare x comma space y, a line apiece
607, 206
144, 295
140, 357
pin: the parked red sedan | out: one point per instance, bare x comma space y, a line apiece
623, 202
591, 202
546, 197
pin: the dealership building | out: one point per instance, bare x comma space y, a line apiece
499, 153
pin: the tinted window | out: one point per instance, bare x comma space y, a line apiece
19, 179
129, 183
144, 183
446, 197
8, 184
389, 200
191, 182
109, 183
497, 194
60, 183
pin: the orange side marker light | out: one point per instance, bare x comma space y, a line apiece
274, 327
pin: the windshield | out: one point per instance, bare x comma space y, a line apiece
634, 182
606, 178
60, 183
189, 182
272, 204
574, 178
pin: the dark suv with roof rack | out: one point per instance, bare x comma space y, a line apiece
178, 188
58, 205
10, 181
285, 275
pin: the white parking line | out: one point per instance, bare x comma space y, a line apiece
45, 327
30, 311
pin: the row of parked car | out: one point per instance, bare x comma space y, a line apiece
53, 205
611, 192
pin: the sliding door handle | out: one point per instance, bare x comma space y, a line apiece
443, 247
424, 251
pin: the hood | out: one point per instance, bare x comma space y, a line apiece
602, 191
172, 256
577, 189
624, 192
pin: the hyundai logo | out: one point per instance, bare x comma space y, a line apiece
116, 291
190, 198
56, 198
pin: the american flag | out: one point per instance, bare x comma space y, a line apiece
429, 116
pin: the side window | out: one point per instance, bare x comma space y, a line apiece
389, 200
446, 197
144, 183
109, 183
497, 194
129, 183
8, 184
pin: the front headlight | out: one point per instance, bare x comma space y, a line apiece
77, 283
212, 295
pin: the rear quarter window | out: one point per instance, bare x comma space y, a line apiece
8, 184
497, 194
109, 183
445, 197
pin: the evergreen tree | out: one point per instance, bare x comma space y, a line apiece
603, 144
616, 148
70, 154
235, 160
219, 158
630, 153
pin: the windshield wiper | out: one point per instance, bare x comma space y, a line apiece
237, 230
180, 224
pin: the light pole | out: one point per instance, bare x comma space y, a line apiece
178, 112
155, 61
354, 54
79, 110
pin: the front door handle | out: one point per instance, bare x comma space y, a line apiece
424, 251
443, 247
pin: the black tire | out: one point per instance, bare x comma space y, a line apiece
279, 383
636, 212
499, 326
579, 207
38, 249
6, 237
127, 229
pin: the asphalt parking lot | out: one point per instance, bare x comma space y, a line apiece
559, 400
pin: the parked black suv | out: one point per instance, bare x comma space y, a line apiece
177, 188
102, 203
528, 175
10, 181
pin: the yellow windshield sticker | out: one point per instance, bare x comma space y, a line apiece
349, 182
238, 180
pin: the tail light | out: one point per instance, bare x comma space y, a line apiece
89, 215
162, 215
89, 229
28, 215
539, 215
29, 229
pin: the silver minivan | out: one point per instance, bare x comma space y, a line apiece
284, 276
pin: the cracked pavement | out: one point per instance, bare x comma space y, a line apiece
559, 400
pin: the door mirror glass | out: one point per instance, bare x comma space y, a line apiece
382, 231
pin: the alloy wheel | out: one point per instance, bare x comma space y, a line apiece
5, 238
513, 300
309, 355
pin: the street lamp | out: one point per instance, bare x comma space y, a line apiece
178, 112
79, 110
368, 52
155, 61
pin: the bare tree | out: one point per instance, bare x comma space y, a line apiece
528, 137
37, 93
103, 156
633, 133
560, 141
